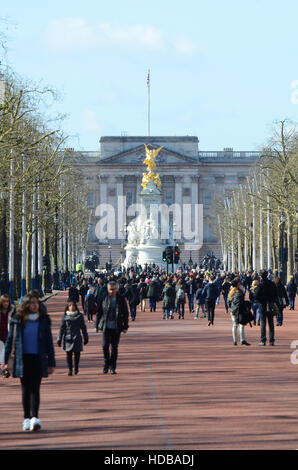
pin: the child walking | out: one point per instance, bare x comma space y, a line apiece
72, 325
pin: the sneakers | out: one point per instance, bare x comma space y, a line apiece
261, 343
26, 424
113, 372
34, 424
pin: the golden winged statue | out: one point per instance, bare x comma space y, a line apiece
151, 165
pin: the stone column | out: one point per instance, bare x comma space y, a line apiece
121, 207
194, 190
103, 189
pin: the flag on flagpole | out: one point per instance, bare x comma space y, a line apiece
148, 78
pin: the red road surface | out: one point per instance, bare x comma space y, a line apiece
180, 385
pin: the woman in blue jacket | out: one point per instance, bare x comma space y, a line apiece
34, 356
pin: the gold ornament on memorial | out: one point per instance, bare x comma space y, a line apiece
151, 165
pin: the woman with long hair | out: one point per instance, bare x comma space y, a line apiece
70, 331
236, 302
34, 357
7, 311
255, 305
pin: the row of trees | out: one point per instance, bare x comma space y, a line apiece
43, 206
257, 222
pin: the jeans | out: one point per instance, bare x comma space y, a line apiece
235, 328
280, 317
226, 303
180, 308
198, 309
292, 302
264, 316
31, 381
133, 310
217, 300
256, 312
210, 305
110, 341
168, 312
152, 303
190, 302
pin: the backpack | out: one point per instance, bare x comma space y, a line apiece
180, 295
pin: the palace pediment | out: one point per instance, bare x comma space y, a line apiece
136, 156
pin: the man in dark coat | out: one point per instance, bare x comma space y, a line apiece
210, 292
266, 293
83, 291
112, 319
153, 294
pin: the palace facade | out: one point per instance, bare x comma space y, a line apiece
188, 175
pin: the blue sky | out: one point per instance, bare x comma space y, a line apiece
219, 70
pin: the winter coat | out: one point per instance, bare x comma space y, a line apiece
240, 308
153, 290
211, 291
200, 299
121, 313
292, 288
265, 292
225, 288
191, 285
169, 296
132, 295
45, 342
282, 294
142, 287
73, 294
72, 325
83, 291
90, 303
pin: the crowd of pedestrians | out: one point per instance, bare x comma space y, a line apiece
107, 300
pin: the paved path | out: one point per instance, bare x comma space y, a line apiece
180, 385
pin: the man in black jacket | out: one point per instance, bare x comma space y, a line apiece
265, 294
112, 320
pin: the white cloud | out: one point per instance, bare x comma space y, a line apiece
90, 121
72, 34
75, 33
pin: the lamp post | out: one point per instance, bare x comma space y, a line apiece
4, 281
110, 260
56, 273
46, 259
281, 249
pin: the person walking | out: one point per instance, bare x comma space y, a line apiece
73, 293
191, 288
7, 311
112, 320
210, 292
236, 304
133, 297
83, 292
266, 295
142, 288
254, 304
90, 305
200, 301
283, 300
72, 324
292, 292
153, 294
168, 302
180, 299
225, 289
34, 358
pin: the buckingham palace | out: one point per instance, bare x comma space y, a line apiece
187, 175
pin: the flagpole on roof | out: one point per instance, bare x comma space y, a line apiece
148, 89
